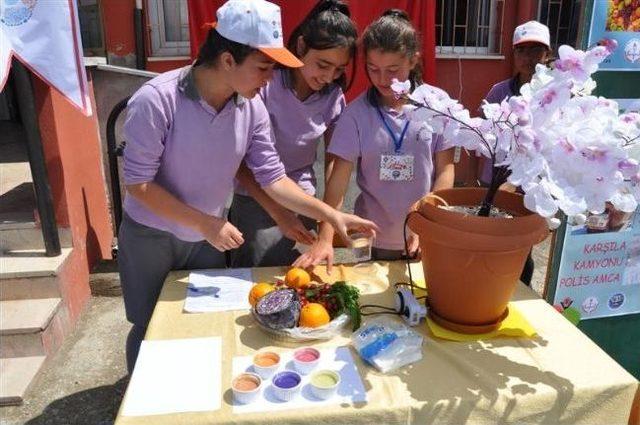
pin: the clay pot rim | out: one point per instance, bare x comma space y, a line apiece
473, 193
523, 220
464, 328
475, 240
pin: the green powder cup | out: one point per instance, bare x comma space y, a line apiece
324, 383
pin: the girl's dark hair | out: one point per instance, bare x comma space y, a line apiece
393, 32
327, 26
215, 45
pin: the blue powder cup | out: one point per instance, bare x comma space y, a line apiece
286, 385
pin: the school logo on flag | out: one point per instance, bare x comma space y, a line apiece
16, 12
45, 36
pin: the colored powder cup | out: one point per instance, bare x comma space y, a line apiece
306, 359
324, 383
266, 363
246, 387
286, 385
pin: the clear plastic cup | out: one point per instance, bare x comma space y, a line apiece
361, 247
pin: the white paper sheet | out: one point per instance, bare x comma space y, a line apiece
218, 290
351, 389
176, 375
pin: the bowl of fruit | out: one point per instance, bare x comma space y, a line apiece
299, 308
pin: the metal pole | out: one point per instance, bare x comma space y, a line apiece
138, 25
29, 116
113, 153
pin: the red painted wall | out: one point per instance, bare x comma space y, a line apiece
469, 80
119, 35
363, 12
163, 66
478, 75
72, 153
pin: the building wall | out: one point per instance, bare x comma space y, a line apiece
470, 79
73, 158
166, 65
119, 34
110, 87
475, 76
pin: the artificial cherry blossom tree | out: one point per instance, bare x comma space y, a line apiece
567, 149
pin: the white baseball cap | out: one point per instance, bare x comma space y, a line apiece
532, 31
256, 23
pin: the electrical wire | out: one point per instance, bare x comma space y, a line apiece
411, 284
406, 249
374, 313
386, 310
377, 306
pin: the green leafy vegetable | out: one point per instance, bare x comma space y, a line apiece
347, 298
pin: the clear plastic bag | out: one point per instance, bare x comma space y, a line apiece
328, 331
387, 344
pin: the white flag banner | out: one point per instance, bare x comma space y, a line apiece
45, 36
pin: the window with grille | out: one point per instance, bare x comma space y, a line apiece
169, 26
469, 27
563, 19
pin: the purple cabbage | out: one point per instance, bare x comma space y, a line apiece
279, 309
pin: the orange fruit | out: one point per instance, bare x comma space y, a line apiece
297, 278
314, 315
258, 291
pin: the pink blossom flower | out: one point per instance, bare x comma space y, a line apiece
594, 154
566, 149
610, 44
400, 88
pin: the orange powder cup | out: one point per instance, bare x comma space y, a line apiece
266, 363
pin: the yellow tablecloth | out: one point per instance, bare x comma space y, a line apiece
559, 376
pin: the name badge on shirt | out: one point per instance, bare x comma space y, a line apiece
396, 167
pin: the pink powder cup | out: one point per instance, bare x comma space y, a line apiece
306, 359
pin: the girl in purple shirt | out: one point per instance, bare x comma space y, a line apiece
397, 161
304, 104
188, 131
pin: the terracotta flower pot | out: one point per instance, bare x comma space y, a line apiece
472, 263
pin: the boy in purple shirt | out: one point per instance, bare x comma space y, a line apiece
397, 161
531, 46
304, 104
187, 133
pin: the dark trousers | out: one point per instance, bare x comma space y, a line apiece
145, 258
264, 244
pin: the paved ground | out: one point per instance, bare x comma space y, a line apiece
85, 381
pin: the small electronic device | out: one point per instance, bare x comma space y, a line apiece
408, 306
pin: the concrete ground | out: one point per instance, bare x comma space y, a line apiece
86, 379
